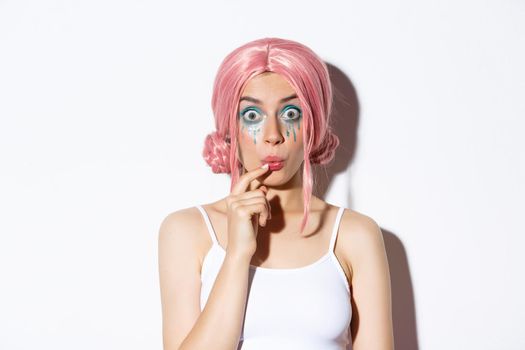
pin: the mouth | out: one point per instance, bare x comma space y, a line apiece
275, 162
275, 165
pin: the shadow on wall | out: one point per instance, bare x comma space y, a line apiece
345, 120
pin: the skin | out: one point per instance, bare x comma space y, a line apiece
359, 247
275, 132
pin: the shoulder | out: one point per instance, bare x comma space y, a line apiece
187, 228
179, 221
181, 227
360, 236
359, 226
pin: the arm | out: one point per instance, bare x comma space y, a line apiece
372, 327
219, 325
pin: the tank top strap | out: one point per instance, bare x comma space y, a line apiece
335, 230
208, 224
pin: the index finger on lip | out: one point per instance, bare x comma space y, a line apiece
246, 179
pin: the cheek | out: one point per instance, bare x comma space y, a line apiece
296, 138
249, 133
293, 131
247, 142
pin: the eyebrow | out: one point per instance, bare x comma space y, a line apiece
254, 100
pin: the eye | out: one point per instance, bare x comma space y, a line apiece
291, 113
251, 115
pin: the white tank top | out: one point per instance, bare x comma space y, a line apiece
300, 308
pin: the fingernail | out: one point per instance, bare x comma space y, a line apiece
265, 166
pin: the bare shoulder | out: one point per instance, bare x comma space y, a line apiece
181, 222
359, 227
186, 227
179, 274
182, 218
359, 235
183, 227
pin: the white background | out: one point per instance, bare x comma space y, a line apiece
104, 107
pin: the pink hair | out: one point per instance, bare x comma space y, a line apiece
309, 77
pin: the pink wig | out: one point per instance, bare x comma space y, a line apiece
309, 77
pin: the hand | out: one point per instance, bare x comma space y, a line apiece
247, 208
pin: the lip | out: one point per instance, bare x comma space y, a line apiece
269, 159
276, 165
274, 162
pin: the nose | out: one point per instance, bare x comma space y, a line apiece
272, 132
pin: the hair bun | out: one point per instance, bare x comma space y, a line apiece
326, 150
216, 153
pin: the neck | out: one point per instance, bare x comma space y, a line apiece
287, 198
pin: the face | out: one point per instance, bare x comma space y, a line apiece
270, 124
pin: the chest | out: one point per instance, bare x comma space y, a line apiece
280, 247
310, 304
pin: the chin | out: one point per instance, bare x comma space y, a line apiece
277, 179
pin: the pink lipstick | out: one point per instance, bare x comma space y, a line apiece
274, 162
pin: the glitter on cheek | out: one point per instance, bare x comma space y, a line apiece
253, 130
298, 128
253, 127
291, 126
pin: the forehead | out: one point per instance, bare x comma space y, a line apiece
268, 86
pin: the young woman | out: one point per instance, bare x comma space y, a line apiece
271, 266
